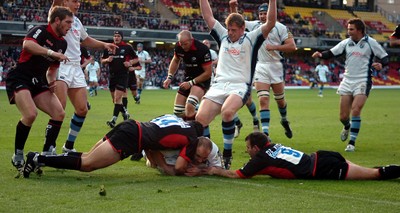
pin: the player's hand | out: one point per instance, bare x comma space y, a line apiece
166, 83
185, 85
194, 171
269, 47
377, 66
59, 57
316, 55
127, 64
110, 59
110, 47
233, 3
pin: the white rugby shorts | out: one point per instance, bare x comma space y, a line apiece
269, 73
72, 75
219, 92
353, 87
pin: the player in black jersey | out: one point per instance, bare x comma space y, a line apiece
30, 85
119, 63
128, 137
279, 161
395, 37
198, 70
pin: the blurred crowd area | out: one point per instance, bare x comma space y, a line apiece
299, 68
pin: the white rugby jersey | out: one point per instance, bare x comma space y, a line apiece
237, 60
92, 69
75, 35
277, 36
322, 70
143, 55
359, 57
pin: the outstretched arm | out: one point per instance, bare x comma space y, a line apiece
207, 14
271, 19
222, 172
233, 6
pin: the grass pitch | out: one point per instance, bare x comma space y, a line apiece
132, 187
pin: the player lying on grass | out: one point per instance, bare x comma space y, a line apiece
283, 162
190, 161
129, 137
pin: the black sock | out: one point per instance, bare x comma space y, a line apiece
227, 153
67, 161
52, 130
21, 135
117, 109
125, 102
389, 172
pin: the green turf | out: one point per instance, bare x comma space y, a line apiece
132, 187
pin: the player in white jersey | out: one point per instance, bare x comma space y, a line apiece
395, 37
322, 70
270, 68
360, 51
144, 58
178, 162
92, 72
232, 83
71, 80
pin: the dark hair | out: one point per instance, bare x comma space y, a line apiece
60, 12
263, 7
258, 139
119, 33
358, 23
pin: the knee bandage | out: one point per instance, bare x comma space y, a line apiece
193, 100
179, 110
279, 96
262, 93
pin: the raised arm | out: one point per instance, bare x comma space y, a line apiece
271, 19
233, 6
207, 14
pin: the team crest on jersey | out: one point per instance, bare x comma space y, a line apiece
194, 59
123, 51
361, 46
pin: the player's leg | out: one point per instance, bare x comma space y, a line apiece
102, 156
279, 96
344, 116
355, 124
263, 97
206, 113
179, 105
27, 108
61, 92
49, 103
251, 106
196, 93
78, 98
125, 102
231, 105
357, 172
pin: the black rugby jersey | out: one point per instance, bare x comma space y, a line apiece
37, 65
279, 161
198, 55
169, 132
396, 33
123, 53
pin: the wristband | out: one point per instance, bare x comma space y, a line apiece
170, 77
194, 81
191, 83
50, 52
